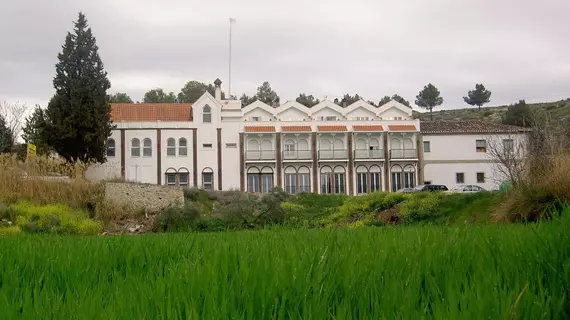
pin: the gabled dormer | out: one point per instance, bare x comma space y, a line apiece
394, 110
207, 110
292, 111
258, 111
360, 111
327, 111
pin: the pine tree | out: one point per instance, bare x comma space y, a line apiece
78, 117
429, 98
478, 97
33, 131
6, 138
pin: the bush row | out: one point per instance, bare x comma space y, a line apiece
235, 210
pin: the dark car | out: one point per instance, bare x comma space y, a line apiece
430, 188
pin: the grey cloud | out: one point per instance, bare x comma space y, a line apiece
326, 48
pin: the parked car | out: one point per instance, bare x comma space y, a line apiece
470, 188
406, 190
430, 188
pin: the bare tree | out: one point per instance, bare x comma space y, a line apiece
508, 153
14, 114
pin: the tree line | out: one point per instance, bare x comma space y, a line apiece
77, 121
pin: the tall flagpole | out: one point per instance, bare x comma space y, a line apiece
232, 20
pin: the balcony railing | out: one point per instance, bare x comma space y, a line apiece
369, 154
333, 154
253, 155
403, 154
297, 155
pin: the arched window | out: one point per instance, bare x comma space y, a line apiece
207, 114
182, 147
183, 177
304, 179
111, 148
339, 179
289, 150
266, 179
291, 180
208, 178
135, 148
170, 175
267, 151
396, 178
327, 180
409, 176
253, 177
147, 147
375, 178
171, 147
361, 179
253, 152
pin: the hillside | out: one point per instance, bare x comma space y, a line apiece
556, 110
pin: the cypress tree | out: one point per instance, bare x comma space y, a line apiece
78, 117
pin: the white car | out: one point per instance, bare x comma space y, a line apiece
470, 188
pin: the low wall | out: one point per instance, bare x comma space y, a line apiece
147, 197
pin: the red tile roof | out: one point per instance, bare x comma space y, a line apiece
295, 128
259, 129
402, 127
331, 128
145, 112
368, 128
468, 126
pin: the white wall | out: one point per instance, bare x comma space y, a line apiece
390, 113
141, 169
445, 173
327, 112
258, 112
176, 162
110, 169
292, 114
230, 156
463, 147
360, 112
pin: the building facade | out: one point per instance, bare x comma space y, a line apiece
327, 149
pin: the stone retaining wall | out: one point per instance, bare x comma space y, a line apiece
147, 197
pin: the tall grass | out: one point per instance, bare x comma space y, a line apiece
46, 181
428, 272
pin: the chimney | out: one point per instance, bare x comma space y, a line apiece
218, 84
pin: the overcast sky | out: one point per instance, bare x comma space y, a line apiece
517, 48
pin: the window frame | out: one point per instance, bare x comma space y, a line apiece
477, 177
147, 148
136, 148
183, 149
111, 146
171, 149
460, 174
206, 114
482, 149
208, 172
428, 144
508, 145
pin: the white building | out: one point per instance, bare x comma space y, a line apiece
216, 144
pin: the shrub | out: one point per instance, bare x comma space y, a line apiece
269, 209
191, 194
421, 206
178, 218
235, 209
55, 218
10, 231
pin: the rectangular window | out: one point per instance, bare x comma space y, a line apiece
208, 180
480, 177
255, 118
171, 151
290, 183
253, 182
304, 182
183, 179
171, 179
409, 179
427, 146
460, 177
361, 183
206, 145
481, 145
207, 118
508, 145
266, 183
231, 145
375, 184
328, 118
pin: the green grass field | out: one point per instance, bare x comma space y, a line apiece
419, 272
